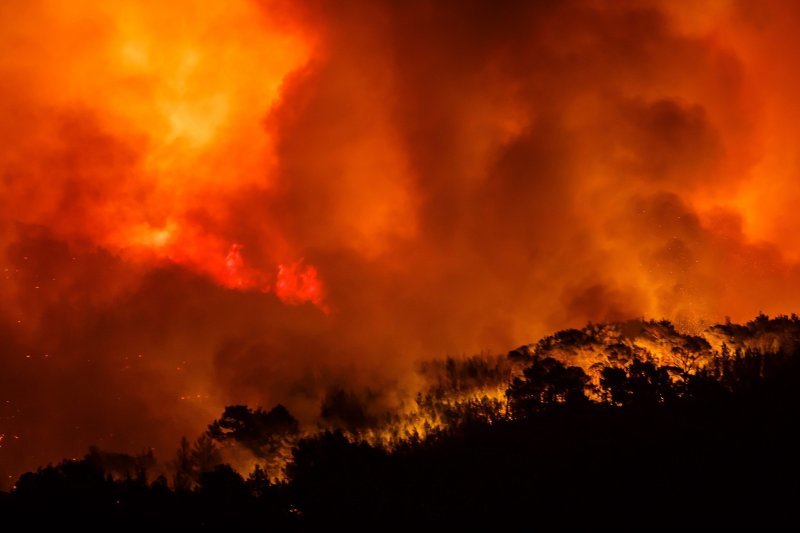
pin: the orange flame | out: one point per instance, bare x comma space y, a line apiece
167, 122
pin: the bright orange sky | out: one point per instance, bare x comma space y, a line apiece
204, 204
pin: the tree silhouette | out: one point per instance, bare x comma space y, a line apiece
546, 382
191, 461
258, 482
205, 455
258, 430
269, 435
222, 483
183, 467
640, 383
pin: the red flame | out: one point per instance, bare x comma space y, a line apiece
298, 283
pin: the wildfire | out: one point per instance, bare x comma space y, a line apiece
167, 120
270, 198
298, 283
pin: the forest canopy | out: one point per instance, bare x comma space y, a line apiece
563, 447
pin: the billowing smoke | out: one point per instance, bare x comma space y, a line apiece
255, 202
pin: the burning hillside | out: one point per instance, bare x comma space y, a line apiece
315, 204
719, 432
454, 391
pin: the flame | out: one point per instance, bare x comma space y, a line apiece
180, 96
298, 283
268, 197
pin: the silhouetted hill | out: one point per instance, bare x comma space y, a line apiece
634, 440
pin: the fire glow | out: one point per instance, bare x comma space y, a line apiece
254, 201
173, 101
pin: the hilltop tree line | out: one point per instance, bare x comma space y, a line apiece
639, 444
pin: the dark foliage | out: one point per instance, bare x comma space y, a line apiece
656, 447
545, 383
262, 432
641, 383
81, 495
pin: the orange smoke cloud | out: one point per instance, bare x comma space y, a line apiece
259, 200
142, 121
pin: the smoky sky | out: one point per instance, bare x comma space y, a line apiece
258, 202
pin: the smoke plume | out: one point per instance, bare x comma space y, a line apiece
264, 201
